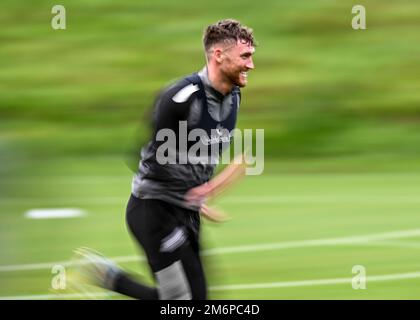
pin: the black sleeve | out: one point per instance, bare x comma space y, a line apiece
167, 113
164, 113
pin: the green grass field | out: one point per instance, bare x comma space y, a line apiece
266, 247
340, 110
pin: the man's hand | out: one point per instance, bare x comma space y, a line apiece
212, 214
232, 173
198, 195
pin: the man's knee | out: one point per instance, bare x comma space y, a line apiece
173, 283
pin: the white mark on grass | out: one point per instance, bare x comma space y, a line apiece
315, 282
246, 286
48, 265
369, 239
54, 213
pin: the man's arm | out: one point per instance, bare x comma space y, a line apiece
213, 214
232, 173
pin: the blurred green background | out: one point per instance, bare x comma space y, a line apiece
332, 100
320, 88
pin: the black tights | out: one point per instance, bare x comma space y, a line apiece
178, 271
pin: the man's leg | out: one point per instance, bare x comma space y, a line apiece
182, 278
98, 270
125, 285
171, 249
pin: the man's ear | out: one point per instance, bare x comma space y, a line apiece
218, 55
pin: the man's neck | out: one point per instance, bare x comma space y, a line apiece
218, 82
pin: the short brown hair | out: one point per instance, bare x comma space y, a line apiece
228, 30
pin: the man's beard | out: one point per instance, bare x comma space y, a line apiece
235, 78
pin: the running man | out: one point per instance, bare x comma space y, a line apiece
172, 183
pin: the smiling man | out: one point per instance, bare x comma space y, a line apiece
163, 212
228, 58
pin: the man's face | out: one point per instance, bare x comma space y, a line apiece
236, 61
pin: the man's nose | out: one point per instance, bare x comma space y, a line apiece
250, 64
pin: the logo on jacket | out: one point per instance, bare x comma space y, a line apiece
217, 135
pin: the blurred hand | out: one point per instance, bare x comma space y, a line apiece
212, 214
198, 195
